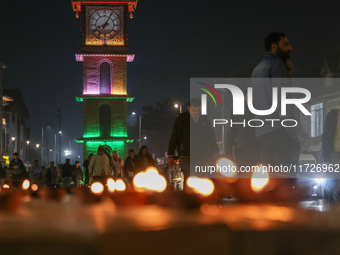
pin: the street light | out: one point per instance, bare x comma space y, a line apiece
37, 145
13, 144
180, 107
140, 129
28, 151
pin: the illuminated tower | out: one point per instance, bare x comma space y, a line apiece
104, 29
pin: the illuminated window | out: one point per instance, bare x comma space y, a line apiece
317, 120
105, 120
105, 78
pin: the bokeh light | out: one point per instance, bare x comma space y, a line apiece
202, 186
26, 184
97, 188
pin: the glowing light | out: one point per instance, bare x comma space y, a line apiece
28, 142
228, 168
259, 180
97, 188
202, 186
319, 180
149, 181
176, 105
26, 184
67, 153
111, 185
5, 186
209, 209
37, 145
34, 187
120, 185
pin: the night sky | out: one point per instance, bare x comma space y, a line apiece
172, 40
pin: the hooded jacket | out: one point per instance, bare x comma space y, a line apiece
202, 137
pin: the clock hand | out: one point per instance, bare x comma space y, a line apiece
106, 23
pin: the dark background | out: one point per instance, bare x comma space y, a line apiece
172, 40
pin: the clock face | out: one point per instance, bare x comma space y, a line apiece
104, 25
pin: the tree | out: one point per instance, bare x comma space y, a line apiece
160, 116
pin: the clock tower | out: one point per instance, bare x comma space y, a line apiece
104, 30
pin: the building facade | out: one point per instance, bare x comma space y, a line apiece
104, 55
15, 133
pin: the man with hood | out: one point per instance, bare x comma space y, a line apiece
99, 168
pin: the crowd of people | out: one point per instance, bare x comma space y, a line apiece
97, 167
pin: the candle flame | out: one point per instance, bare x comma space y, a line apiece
227, 167
34, 187
25, 184
259, 180
202, 186
97, 188
120, 185
149, 181
111, 185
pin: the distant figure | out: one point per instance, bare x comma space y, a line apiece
86, 167
176, 176
52, 175
77, 175
18, 170
36, 172
119, 165
67, 172
99, 168
144, 158
130, 165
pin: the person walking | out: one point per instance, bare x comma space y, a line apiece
36, 173
176, 176
67, 171
86, 167
278, 145
52, 175
119, 165
130, 165
203, 149
144, 159
18, 170
77, 175
99, 168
